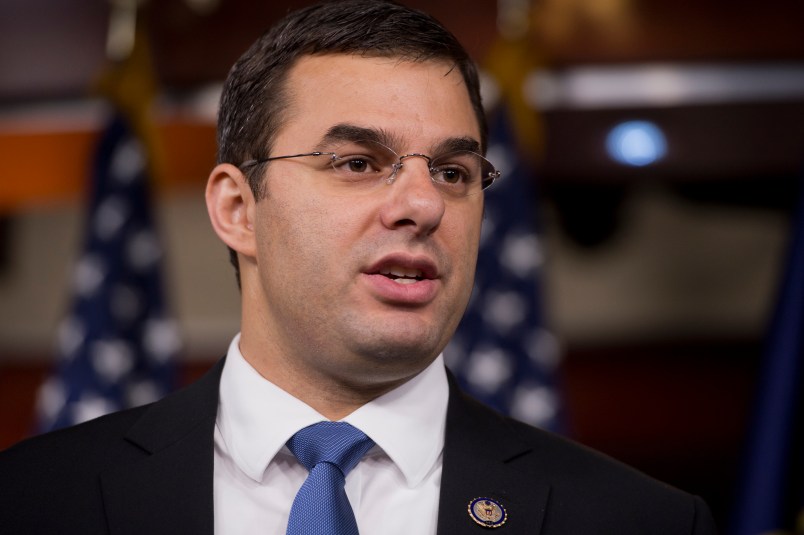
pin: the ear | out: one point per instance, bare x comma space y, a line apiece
230, 204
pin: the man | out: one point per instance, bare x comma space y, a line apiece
349, 191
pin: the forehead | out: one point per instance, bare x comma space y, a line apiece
418, 103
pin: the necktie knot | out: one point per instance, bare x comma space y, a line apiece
337, 443
329, 450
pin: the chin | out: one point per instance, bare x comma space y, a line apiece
401, 348
395, 340
392, 365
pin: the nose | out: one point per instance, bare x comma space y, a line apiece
413, 201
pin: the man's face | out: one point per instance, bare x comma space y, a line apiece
326, 287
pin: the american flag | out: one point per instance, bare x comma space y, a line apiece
116, 346
503, 353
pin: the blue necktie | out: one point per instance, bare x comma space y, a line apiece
329, 450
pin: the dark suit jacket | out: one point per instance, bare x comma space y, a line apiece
148, 471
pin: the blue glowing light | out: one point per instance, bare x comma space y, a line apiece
636, 143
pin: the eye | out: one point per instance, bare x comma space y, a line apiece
356, 165
460, 168
360, 160
450, 175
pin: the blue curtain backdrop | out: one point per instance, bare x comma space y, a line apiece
772, 496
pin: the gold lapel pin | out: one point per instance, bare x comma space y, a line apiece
487, 512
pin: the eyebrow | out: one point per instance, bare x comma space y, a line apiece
458, 143
345, 132
348, 132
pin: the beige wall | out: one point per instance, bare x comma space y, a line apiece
676, 269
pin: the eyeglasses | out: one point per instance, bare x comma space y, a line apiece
364, 164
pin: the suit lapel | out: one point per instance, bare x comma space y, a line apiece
168, 487
483, 457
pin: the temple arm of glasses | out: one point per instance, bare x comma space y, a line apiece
249, 163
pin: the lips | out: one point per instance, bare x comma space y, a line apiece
402, 266
403, 279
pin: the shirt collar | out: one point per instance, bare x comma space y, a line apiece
256, 418
408, 422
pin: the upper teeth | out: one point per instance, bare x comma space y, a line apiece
402, 272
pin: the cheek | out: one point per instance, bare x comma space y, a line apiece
305, 233
465, 235
469, 265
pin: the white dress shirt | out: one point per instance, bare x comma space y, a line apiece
393, 490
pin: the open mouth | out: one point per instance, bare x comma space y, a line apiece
402, 275
404, 279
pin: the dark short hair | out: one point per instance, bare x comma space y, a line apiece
255, 95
